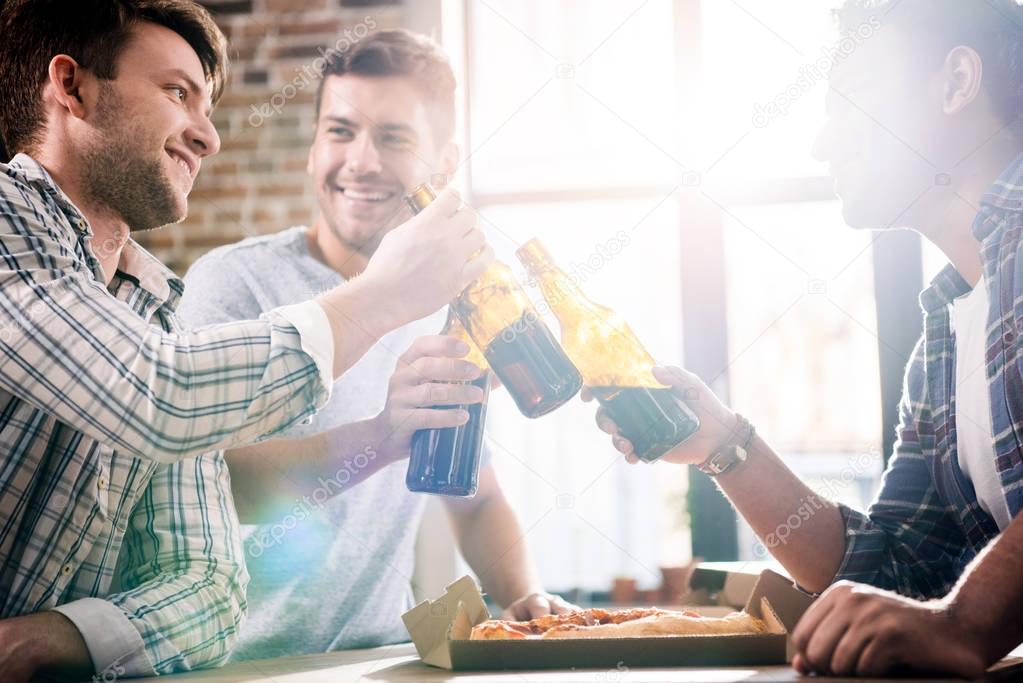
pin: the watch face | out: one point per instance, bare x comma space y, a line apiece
724, 460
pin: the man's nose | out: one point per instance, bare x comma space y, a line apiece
363, 155
202, 137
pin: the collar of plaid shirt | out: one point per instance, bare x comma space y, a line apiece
136, 264
997, 227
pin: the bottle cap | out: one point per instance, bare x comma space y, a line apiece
420, 197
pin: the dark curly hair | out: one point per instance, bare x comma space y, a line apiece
994, 28
397, 52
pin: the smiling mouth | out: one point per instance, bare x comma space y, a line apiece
373, 197
182, 164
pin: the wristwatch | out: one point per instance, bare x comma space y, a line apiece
733, 452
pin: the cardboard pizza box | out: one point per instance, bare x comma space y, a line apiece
719, 588
440, 630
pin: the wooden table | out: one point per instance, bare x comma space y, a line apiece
400, 663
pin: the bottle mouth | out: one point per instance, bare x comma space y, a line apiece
420, 197
534, 255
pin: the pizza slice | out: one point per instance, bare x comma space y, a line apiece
634, 623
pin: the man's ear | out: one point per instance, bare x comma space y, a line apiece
449, 158
964, 74
71, 87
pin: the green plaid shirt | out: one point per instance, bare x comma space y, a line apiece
106, 512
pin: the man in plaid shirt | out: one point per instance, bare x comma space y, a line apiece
119, 546
924, 133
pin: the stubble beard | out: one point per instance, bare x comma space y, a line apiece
118, 176
368, 246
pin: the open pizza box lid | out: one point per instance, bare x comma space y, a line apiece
719, 588
440, 630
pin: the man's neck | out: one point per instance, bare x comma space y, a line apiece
325, 246
948, 222
109, 231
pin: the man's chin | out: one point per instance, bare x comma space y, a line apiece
857, 220
160, 217
858, 212
873, 215
357, 230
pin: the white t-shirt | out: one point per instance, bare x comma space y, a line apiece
975, 440
336, 574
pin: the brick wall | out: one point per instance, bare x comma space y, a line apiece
257, 183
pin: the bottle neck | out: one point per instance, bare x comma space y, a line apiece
449, 322
558, 289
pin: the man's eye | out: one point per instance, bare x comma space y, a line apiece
340, 132
397, 141
181, 93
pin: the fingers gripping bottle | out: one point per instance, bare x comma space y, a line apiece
447, 461
615, 365
501, 320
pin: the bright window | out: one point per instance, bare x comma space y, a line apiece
585, 120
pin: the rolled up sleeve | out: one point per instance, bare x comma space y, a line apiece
907, 541
75, 351
182, 577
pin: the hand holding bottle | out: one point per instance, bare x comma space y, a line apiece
446, 459
717, 422
424, 263
616, 368
498, 316
428, 376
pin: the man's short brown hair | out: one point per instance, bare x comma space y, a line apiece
993, 28
397, 52
93, 33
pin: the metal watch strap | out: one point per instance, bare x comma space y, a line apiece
734, 451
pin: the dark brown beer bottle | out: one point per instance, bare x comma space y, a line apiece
520, 348
447, 461
614, 363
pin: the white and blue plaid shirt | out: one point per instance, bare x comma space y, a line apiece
106, 512
926, 526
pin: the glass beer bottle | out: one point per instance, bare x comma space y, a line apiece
447, 461
520, 348
615, 365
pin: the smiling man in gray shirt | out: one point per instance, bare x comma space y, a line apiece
331, 561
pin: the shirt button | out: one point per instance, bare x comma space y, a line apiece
103, 483
66, 569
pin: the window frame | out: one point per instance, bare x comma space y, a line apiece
896, 256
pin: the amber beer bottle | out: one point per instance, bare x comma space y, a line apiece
447, 461
615, 365
520, 348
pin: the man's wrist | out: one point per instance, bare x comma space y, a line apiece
21, 645
729, 425
359, 304
530, 589
46, 642
371, 300
972, 626
733, 452
381, 436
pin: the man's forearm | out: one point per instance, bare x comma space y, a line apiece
358, 319
42, 643
989, 596
272, 477
491, 540
800, 528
